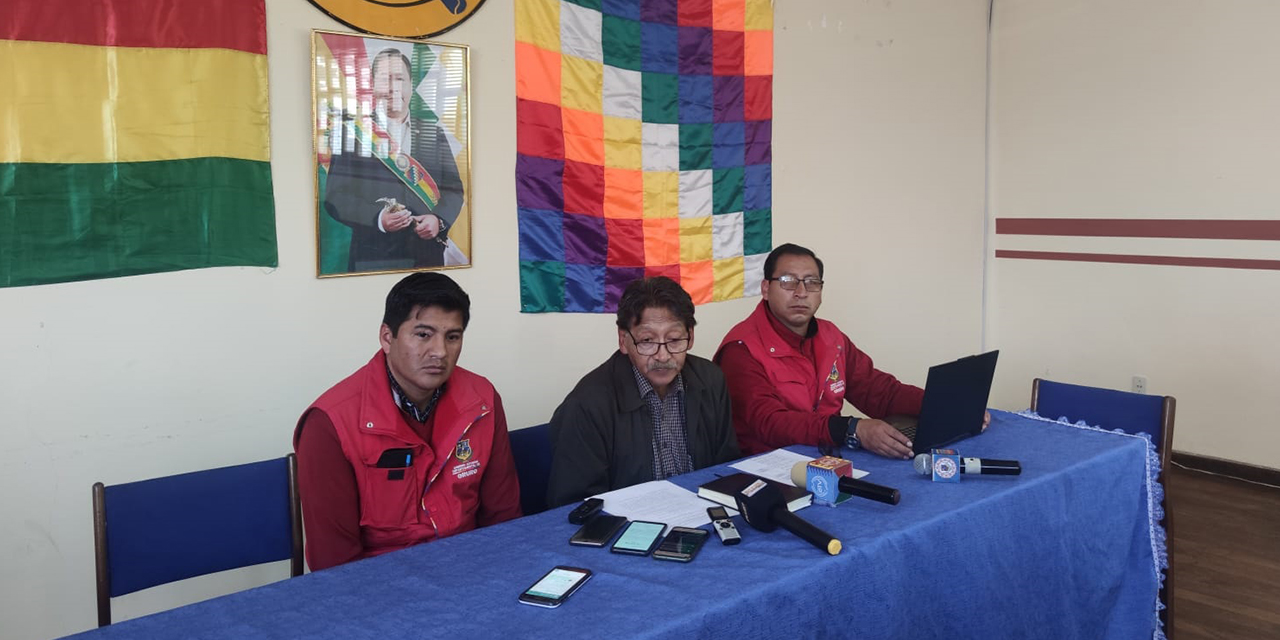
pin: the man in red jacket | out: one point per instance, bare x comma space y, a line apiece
789, 373
410, 447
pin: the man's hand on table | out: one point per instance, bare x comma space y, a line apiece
882, 438
878, 437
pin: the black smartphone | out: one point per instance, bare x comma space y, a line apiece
586, 511
554, 588
598, 531
681, 545
639, 538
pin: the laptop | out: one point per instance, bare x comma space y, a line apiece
955, 400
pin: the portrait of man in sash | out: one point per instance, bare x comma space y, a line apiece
392, 182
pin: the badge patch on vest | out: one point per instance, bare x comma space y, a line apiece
836, 384
462, 451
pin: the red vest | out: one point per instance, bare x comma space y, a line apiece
816, 387
438, 494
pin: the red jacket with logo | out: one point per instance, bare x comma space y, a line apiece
785, 389
463, 478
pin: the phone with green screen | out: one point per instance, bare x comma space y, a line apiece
552, 589
639, 538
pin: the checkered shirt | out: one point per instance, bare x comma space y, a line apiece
670, 445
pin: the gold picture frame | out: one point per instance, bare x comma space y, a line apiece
392, 142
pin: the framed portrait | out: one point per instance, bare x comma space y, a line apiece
393, 154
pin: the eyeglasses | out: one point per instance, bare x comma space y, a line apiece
649, 347
790, 283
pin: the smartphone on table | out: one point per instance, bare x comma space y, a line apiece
639, 538
553, 589
598, 531
681, 545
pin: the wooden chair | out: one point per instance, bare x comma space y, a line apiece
157, 531
1132, 412
531, 448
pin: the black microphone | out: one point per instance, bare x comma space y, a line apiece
859, 488
984, 466
764, 508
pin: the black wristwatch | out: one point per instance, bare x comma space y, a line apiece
851, 435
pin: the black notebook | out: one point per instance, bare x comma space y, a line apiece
722, 490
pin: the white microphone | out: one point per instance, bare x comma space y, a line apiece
985, 466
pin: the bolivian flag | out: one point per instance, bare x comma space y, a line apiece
133, 138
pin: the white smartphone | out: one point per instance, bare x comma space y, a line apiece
554, 588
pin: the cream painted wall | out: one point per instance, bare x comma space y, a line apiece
878, 130
878, 167
1141, 109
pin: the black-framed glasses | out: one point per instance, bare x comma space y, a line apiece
649, 347
790, 283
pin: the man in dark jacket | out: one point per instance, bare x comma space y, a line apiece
651, 411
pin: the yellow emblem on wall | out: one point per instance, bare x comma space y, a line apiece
401, 18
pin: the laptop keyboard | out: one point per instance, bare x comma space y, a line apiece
908, 430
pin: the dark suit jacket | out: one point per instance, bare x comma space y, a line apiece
602, 434
356, 182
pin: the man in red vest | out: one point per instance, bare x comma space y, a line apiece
410, 447
789, 373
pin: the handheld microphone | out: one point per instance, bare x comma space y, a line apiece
859, 488
764, 508
985, 466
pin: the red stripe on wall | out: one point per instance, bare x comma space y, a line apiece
196, 24
1131, 228
1222, 263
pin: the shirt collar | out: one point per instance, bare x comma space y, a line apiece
406, 405
399, 132
642, 383
399, 135
785, 332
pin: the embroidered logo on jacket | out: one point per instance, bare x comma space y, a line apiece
462, 451
837, 385
466, 467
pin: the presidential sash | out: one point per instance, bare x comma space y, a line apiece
404, 166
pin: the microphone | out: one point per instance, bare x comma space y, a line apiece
859, 488
985, 466
764, 508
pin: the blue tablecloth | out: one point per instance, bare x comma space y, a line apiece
1063, 551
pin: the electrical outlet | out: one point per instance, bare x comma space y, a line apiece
1139, 384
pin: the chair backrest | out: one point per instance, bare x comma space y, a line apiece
1109, 409
157, 531
531, 447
